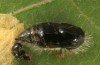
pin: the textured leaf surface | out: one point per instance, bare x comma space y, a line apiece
82, 13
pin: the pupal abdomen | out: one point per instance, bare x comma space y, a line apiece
54, 35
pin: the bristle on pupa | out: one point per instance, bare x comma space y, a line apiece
84, 47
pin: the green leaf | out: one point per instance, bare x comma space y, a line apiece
82, 13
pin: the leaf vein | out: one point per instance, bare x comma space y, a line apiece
85, 16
